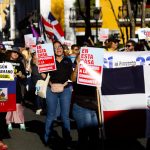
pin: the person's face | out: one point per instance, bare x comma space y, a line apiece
114, 45
129, 47
14, 55
58, 49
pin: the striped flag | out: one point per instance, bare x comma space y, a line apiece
124, 101
57, 29
47, 28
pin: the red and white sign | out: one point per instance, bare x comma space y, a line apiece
29, 40
68, 43
103, 34
46, 58
90, 67
144, 33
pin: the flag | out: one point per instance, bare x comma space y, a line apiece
34, 32
46, 28
57, 29
7, 96
124, 102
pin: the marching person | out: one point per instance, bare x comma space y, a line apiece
59, 76
130, 46
85, 110
112, 44
13, 57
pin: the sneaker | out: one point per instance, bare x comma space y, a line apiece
22, 126
9, 127
38, 112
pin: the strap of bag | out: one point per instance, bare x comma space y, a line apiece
60, 83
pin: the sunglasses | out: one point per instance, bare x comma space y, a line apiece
128, 45
56, 48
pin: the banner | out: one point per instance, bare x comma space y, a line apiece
126, 59
125, 102
46, 58
90, 67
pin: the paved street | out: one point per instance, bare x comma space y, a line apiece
31, 139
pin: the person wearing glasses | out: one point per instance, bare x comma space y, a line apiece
59, 76
130, 46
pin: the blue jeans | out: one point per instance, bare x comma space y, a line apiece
52, 99
87, 124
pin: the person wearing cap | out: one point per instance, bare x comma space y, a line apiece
13, 56
112, 44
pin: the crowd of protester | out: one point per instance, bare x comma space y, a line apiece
77, 100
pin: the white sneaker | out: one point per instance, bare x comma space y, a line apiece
9, 127
22, 126
38, 112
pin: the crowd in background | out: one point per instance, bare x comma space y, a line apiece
80, 100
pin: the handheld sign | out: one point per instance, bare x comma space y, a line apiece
90, 67
46, 58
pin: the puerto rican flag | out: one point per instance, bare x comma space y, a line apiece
125, 102
57, 29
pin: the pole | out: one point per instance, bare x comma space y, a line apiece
96, 31
12, 20
100, 115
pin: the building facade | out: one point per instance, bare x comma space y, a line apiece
112, 15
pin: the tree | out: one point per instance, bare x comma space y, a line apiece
143, 13
132, 6
86, 18
132, 20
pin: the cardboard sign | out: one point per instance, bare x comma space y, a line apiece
90, 67
46, 58
6, 72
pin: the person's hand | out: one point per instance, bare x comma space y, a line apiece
43, 75
19, 74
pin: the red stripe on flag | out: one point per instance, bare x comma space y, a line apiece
8, 105
125, 123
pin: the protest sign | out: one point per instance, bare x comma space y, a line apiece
46, 58
29, 40
6, 72
90, 67
103, 34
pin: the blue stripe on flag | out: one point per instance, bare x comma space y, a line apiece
126, 80
11, 85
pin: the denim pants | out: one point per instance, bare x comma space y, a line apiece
52, 99
87, 124
84, 117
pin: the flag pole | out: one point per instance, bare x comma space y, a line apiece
100, 115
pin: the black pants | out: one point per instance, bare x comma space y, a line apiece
3, 127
